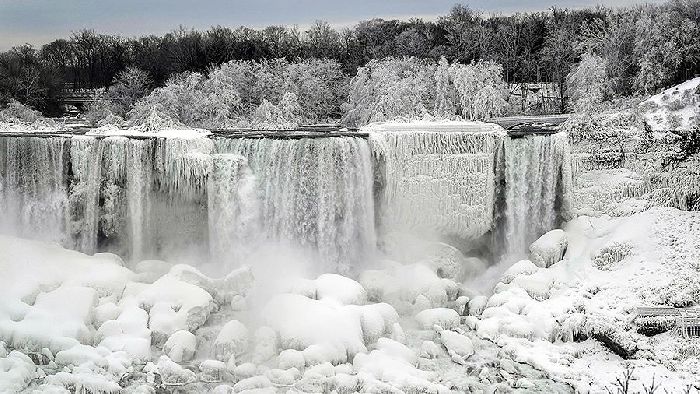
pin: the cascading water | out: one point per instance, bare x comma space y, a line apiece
33, 193
538, 182
224, 197
234, 210
315, 193
192, 198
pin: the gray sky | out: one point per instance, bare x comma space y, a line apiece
40, 21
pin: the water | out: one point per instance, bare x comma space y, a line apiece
538, 184
222, 200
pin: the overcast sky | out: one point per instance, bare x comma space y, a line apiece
40, 21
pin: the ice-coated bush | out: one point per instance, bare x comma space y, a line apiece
612, 254
412, 88
16, 112
268, 94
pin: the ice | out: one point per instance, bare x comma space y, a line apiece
549, 248
437, 179
16, 372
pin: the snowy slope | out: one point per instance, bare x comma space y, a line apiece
676, 108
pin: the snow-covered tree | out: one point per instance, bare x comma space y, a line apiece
586, 84
480, 89
444, 92
390, 89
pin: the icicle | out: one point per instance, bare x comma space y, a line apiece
439, 182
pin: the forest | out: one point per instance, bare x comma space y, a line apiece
642, 49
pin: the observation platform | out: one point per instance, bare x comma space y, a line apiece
520, 126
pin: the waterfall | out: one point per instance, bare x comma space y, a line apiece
33, 193
234, 210
86, 165
191, 199
438, 182
538, 185
221, 198
315, 193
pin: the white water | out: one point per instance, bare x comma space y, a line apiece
234, 210
314, 193
538, 175
221, 199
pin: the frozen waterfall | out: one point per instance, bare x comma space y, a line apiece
220, 199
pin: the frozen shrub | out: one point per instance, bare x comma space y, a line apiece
612, 254
411, 88
16, 112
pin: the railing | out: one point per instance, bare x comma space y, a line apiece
687, 319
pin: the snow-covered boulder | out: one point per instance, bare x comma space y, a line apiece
443, 317
291, 358
458, 346
549, 248
232, 340
265, 344
340, 289
180, 346
172, 373
302, 322
16, 372
213, 370
173, 305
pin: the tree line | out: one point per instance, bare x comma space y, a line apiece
643, 48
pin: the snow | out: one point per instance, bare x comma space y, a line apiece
442, 317
231, 341
676, 108
180, 346
549, 248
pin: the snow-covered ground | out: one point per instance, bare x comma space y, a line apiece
70, 321
676, 108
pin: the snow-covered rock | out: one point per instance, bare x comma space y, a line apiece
443, 317
457, 345
231, 341
180, 346
549, 248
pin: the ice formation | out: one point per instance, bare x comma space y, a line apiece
437, 180
171, 197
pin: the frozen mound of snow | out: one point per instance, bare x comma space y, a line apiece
16, 372
409, 288
549, 248
442, 317
393, 366
172, 305
446, 260
57, 320
458, 346
180, 346
676, 108
231, 341
128, 332
341, 289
